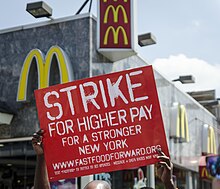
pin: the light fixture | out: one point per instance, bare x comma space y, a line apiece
211, 103
146, 39
39, 9
185, 79
203, 95
5, 118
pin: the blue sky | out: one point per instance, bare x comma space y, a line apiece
187, 34
185, 26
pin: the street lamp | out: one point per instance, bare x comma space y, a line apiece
211, 103
146, 39
39, 9
185, 79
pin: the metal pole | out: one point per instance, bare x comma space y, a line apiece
25, 165
150, 176
80, 9
90, 5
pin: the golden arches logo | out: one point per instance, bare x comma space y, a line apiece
182, 124
205, 174
115, 12
179, 123
115, 34
211, 141
43, 68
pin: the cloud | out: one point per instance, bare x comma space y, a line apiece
196, 23
207, 76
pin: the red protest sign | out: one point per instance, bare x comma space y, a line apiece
105, 123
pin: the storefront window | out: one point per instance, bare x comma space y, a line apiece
17, 165
180, 178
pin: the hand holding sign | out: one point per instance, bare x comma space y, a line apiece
37, 143
111, 121
165, 170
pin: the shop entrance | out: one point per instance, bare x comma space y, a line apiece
17, 165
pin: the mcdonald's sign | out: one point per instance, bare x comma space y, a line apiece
115, 17
116, 28
116, 14
43, 64
179, 123
211, 141
204, 173
208, 140
115, 34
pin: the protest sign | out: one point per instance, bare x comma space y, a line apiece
104, 123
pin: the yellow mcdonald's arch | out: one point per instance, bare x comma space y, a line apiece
114, 0
182, 124
115, 12
115, 34
211, 141
43, 68
205, 173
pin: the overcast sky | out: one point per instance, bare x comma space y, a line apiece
187, 33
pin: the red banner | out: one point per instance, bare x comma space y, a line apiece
105, 123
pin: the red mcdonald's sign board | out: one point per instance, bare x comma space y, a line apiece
204, 173
115, 23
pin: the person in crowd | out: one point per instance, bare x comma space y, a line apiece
165, 170
41, 178
98, 184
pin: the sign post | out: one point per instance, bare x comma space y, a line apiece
105, 123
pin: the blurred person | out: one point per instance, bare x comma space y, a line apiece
41, 180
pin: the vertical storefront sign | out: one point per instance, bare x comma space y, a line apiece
109, 122
116, 28
115, 24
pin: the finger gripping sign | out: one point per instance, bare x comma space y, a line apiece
109, 122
